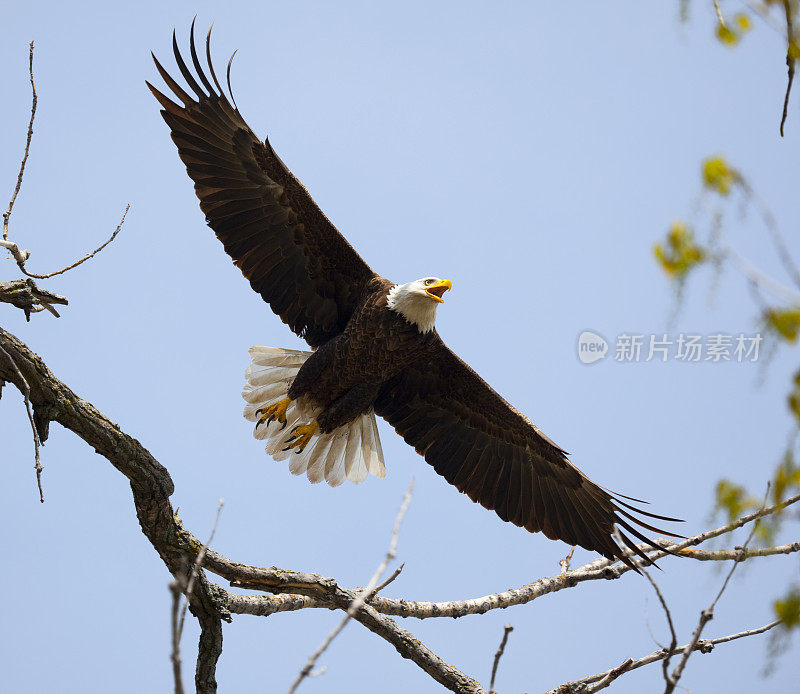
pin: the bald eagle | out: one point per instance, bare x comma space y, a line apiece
375, 346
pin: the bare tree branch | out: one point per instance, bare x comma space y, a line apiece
175, 656
583, 686
507, 629
707, 614
35, 99
150, 482
21, 256
26, 392
310, 590
152, 486
787, 7
739, 554
198, 564
719, 14
611, 675
361, 596
673, 643
24, 294
183, 586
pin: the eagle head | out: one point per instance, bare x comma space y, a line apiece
417, 301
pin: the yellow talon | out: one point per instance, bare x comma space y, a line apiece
274, 412
300, 437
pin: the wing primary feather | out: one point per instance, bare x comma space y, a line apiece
169, 105
230, 91
624, 496
198, 68
646, 525
172, 84
628, 560
187, 75
647, 513
633, 531
210, 64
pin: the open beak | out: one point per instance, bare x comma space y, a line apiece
436, 291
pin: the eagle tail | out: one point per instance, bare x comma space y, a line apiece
350, 452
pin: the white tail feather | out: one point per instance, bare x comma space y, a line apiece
351, 452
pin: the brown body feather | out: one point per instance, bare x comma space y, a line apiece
369, 355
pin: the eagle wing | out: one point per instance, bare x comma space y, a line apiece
499, 458
268, 223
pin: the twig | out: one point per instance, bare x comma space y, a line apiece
198, 564
26, 392
361, 597
377, 589
180, 585
787, 6
704, 646
35, 99
772, 227
611, 675
759, 278
673, 637
175, 656
507, 629
719, 14
739, 554
708, 614
564, 563
22, 256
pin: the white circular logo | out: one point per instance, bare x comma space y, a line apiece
591, 347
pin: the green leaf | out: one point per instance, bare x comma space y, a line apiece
718, 175
726, 36
787, 609
784, 322
680, 253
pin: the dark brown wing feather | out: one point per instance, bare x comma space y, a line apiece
490, 451
277, 236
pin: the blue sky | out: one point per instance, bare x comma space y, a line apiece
530, 153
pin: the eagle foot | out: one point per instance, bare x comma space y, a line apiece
300, 437
276, 412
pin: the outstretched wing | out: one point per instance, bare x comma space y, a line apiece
277, 236
497, 456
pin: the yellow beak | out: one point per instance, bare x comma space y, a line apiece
435, 291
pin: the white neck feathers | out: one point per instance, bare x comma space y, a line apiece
418, 309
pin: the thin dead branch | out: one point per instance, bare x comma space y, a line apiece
708, 614
362, 596
26, 393
507, 629
184, 585
21, 256
673, 643
175, 656
790, 59
719, 14
584, 685
34, 101
310, 590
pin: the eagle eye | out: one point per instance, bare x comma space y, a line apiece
427, 282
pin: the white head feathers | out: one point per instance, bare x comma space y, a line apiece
417, 301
